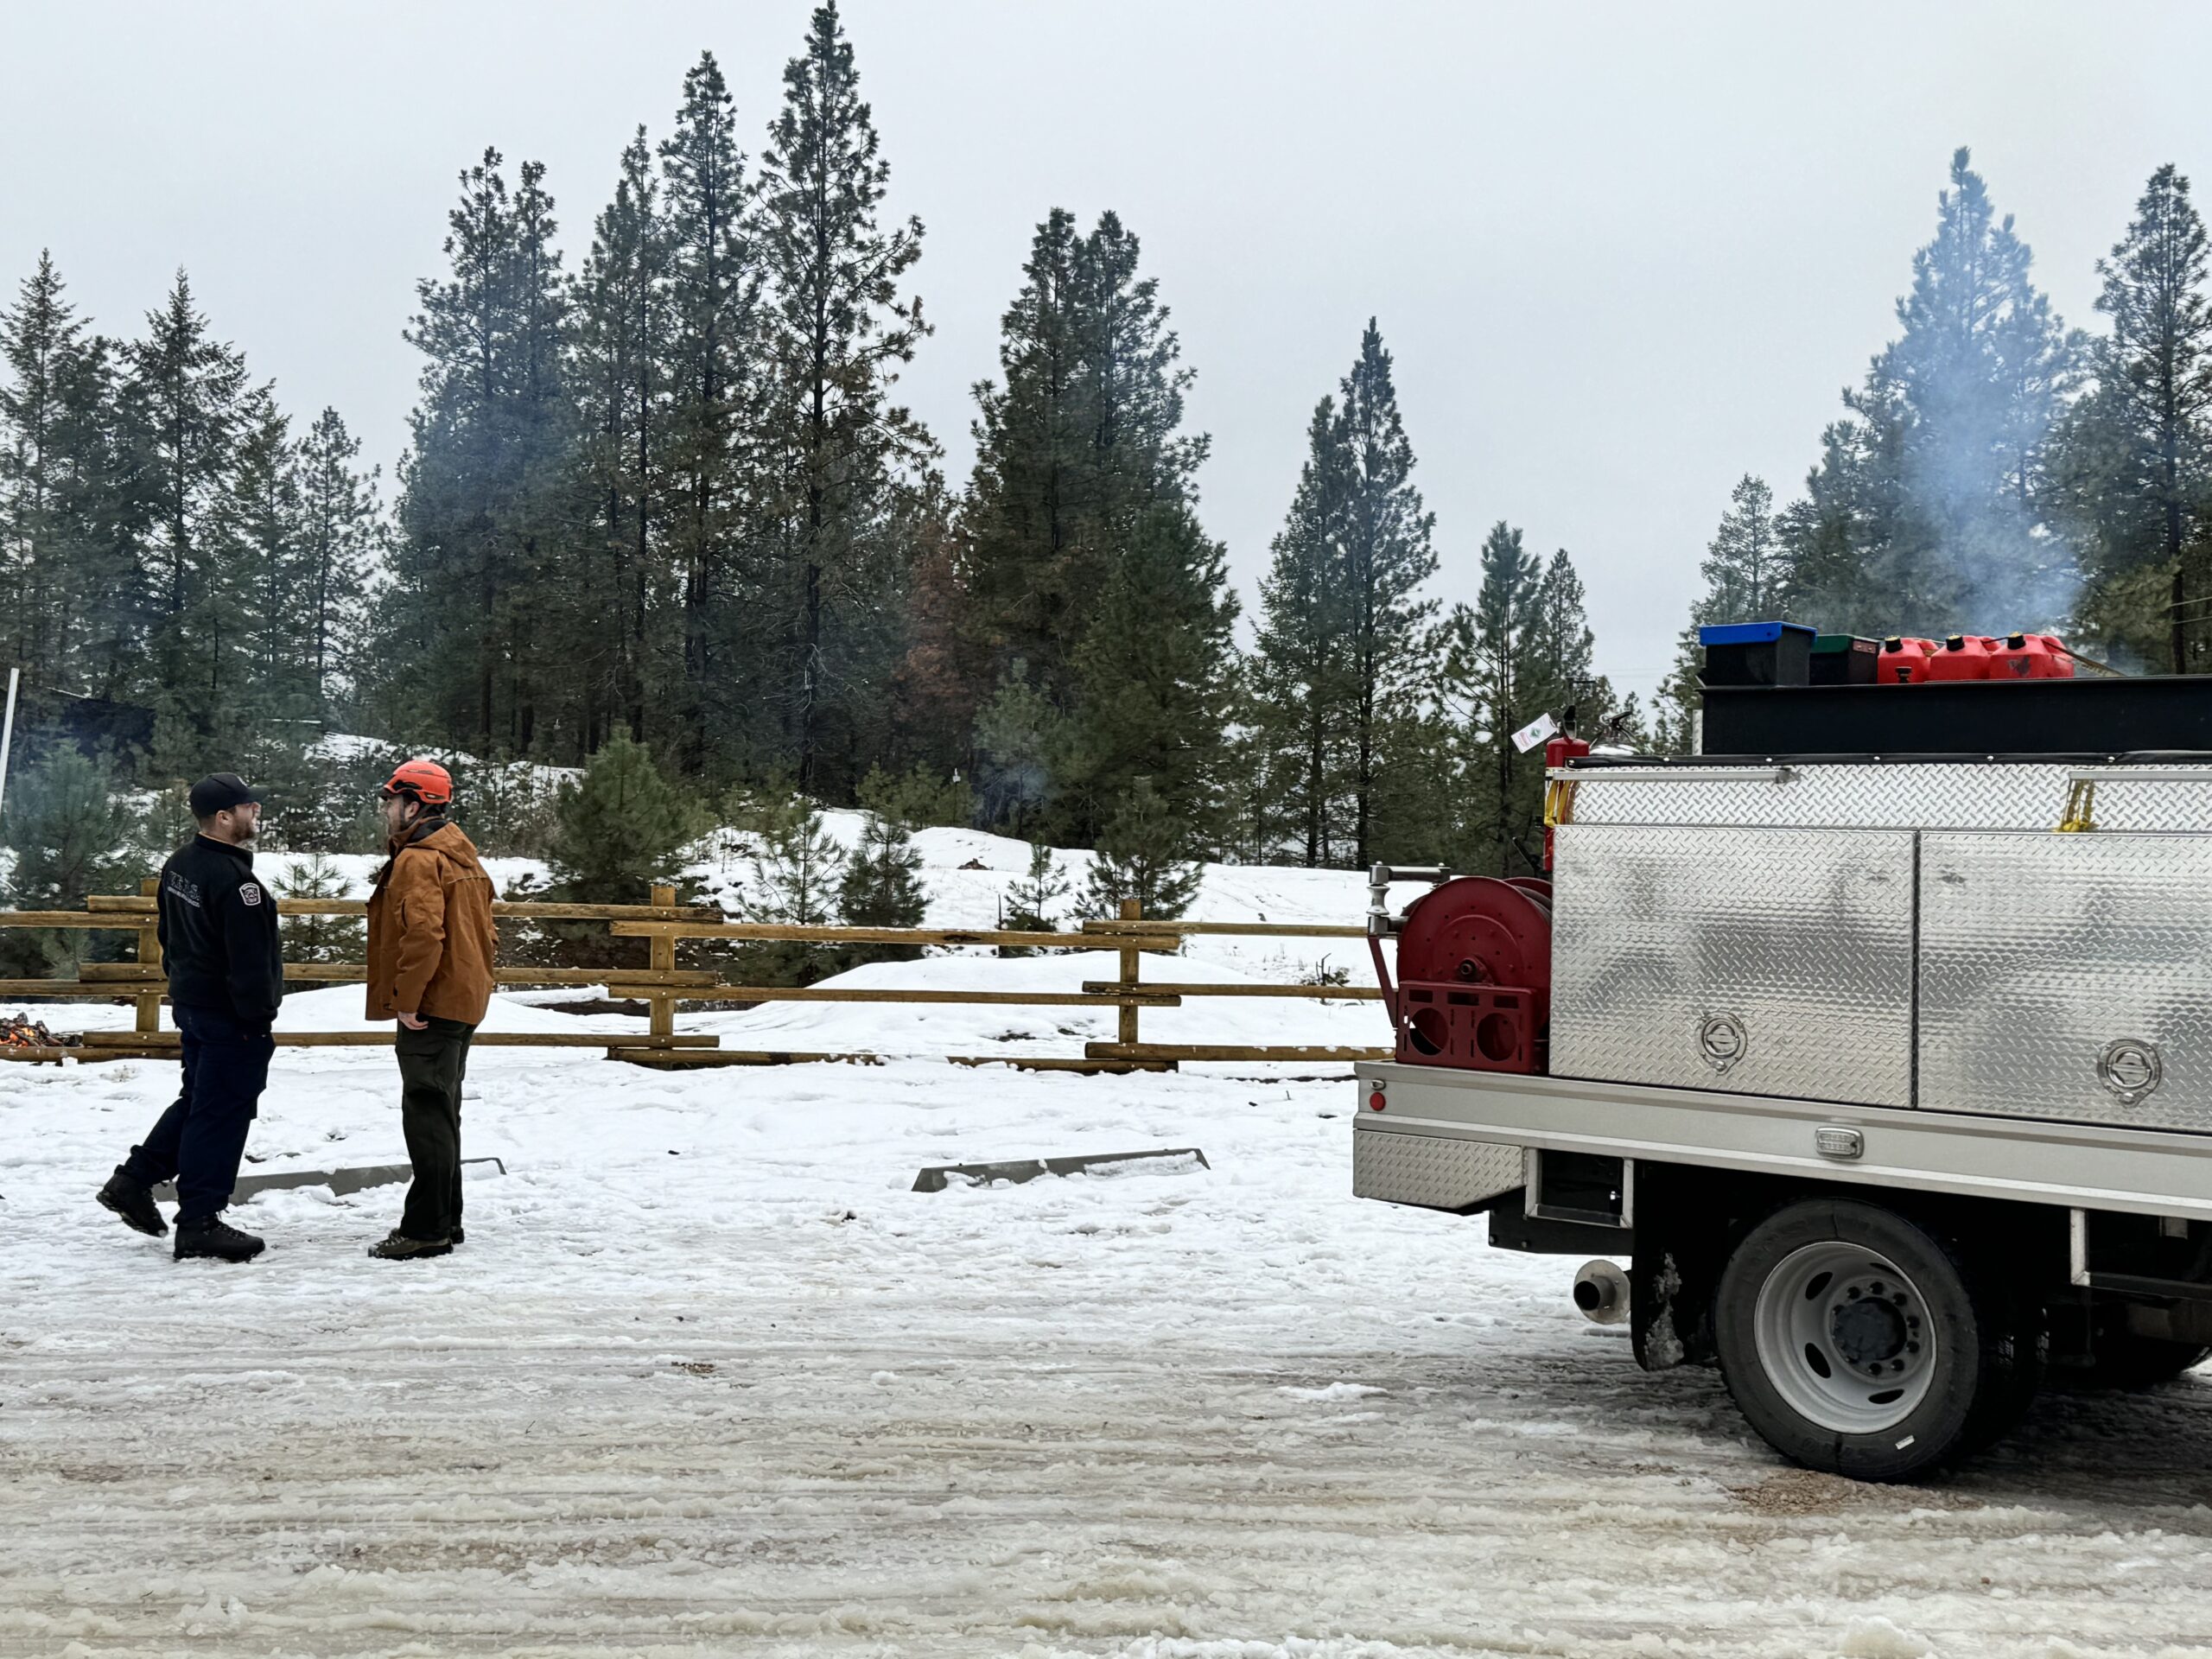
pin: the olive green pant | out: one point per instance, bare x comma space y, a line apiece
432, 1063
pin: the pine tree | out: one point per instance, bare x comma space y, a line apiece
342, 540
1748, 578
882, 887
1746, 574
1305, 682
546, 524
1932, 501
620, 828
717, 387
919, 799
321, 938
840, 330
264, 586
1486, 666
46, 355
1081, 443
1156, 683
1558, 651
1020, 738
1031, 514
192, 402
797, 873
1032, 903
620, 322
1386, 542
1345, 648
2139, 462
1681, 695
486, 494
71, 830
1145, 853
944, 675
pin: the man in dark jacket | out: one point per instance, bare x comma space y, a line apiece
218, 928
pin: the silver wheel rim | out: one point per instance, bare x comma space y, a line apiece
1845, 1337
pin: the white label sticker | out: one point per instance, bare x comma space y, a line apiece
1535, 731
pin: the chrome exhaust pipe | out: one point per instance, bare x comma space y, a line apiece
1601, 1292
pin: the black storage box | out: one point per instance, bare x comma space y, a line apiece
1756, 653
1845, 659
2089, 717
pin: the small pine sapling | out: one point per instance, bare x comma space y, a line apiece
1031, 902
796, 873
72, 834
1144, 855
620, 828
319, 938
882, 887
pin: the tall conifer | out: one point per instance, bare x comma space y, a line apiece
342, 538
1932, 501
2139, 445
1388, 558
484, 509
840, 329
1303, 674
192, 401
1488, 667
619, 331
717, 385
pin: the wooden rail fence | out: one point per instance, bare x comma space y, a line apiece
661, 985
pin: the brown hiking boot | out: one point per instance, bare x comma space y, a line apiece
398, 1247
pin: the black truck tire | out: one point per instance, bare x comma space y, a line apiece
1857, 1341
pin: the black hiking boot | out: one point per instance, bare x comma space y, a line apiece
216, 1239
398, 1247
134, 1203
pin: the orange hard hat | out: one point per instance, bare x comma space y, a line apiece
426, 781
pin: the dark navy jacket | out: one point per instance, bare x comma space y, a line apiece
219, 933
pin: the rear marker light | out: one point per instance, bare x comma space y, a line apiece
1375, 1103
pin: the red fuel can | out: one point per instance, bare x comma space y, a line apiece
1963, 657
2032, 657
1903, 660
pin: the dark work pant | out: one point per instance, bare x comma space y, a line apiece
199, 1140
432, 1063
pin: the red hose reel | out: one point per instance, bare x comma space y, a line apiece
1475, 976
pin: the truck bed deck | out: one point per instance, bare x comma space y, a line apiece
2092, 1166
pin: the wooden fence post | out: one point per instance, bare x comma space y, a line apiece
150, 953
1132, 911
662, 960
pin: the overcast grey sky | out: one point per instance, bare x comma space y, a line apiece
1623, 253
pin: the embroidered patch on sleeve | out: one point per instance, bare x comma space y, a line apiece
249, 893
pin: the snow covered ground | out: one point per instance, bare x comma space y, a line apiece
708, 1377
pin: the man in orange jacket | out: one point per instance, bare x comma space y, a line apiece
431, 947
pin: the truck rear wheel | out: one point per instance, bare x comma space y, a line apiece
1859, 1342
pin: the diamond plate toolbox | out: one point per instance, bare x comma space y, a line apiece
2003, 795
1758, 961
2067, 977
1434, 1170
